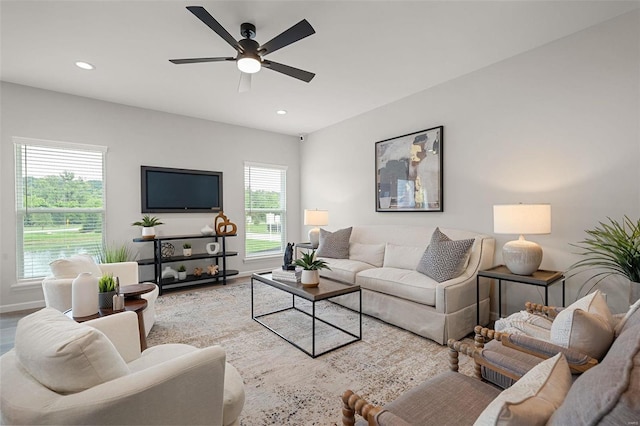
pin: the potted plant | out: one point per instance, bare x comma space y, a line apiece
114, 253
612, 249
148, 224
186, 249
182, 272
107, 289
310, 268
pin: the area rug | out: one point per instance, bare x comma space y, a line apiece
283, 385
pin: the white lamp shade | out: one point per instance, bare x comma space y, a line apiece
316, 217
522, 219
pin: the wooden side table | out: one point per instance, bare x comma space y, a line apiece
134, 305
539, 278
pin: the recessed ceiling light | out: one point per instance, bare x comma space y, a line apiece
281, 112
84, 65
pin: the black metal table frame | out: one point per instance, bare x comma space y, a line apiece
517, 279
313, 353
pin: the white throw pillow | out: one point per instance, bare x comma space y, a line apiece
585, 325
532, 399
402, 257
373, 254
63, 355
75, 265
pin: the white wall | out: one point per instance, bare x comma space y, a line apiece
134, 137
558, 124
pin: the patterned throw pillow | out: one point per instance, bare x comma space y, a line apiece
444, 258
334, 244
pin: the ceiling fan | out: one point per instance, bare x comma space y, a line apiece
250, 58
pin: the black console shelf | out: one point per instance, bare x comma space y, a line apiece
158, 260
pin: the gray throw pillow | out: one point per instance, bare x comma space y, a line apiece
334, 244
444, 258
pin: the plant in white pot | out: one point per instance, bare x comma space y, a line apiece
612, 249
148, 224
310, 268
186, 249
182, 272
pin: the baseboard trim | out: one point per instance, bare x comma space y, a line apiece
25, 306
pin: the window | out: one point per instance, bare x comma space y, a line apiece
265, 209
60, 203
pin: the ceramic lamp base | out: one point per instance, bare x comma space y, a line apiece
314, 237
522, 257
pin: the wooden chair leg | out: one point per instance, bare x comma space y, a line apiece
354, 404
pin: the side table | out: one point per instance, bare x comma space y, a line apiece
539, 278
134, 305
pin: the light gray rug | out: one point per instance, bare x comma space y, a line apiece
283, 385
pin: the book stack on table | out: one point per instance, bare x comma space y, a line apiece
289, 276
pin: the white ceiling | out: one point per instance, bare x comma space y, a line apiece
365, 53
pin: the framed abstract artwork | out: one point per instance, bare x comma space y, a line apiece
409, 172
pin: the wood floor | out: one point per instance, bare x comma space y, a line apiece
8, 323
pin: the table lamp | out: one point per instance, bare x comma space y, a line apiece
315, 218
522, 257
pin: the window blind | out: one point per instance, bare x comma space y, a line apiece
265, 209
60, 204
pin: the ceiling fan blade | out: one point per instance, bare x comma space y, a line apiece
197, 60
209, 21
290, 71
245, 82
299, 31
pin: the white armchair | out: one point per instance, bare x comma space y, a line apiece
62, 372
57, 287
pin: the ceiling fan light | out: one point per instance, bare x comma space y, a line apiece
249, 65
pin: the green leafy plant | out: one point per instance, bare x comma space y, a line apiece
186, 246
613, 248
182, 268
107, 283
148, 221
310, 263
114, 253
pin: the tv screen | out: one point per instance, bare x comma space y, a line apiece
166, 190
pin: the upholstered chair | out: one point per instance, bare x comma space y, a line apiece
607, 393
583, 332
63, 372
57, 287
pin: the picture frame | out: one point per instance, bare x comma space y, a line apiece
409, 172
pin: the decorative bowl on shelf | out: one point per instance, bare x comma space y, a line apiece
207, 230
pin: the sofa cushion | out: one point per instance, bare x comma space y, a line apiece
532, 399
584, 325
403, 257
344, 270
608, 393
403, 283
444, 258
75, 265
629, 319
334, 244
373, 254
63, 355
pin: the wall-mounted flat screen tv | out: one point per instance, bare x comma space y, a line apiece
166, 190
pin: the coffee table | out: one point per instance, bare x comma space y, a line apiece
134, 305
326, 290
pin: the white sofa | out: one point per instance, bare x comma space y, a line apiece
383, 260
57, 287
61, 372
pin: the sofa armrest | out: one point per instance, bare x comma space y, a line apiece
456, 347
122, 330
57, 293
144, 397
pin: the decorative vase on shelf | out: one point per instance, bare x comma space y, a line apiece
84, 295
207, 230
186, 252
105, 300
182, 275
169, 272
148, 232
213, 248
